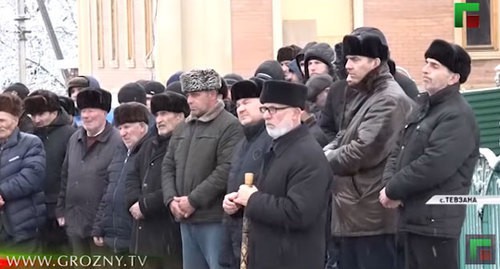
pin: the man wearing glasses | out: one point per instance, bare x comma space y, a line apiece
287, 205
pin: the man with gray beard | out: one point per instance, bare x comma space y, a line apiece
287, 206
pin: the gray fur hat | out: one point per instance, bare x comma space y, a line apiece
200, 80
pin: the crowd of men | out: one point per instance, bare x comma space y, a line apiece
344, 150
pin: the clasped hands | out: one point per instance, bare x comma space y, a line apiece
235, 200
181, 208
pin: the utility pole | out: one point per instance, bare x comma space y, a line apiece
21, 28
52, 36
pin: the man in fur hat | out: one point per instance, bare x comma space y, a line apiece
196, 167
25, 122
113, 223
436, 156
155, 233
85, 169
318, 59
22, 178
285, 56
53, 126
247, 158
366, 230
287, 205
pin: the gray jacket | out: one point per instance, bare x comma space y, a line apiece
84, 178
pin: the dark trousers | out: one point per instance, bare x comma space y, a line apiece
85, 246
26, 247
54, 239
425, 252
368, 252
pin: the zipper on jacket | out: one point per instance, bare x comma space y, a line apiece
113, 199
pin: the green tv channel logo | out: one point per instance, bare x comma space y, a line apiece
472, 21
480, 249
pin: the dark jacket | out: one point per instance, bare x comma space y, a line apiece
288, 214
113, 220
359, 157
315, 130
198, 160
26, 124
157, 234
84, 178
22, 175
436, 156
247, 158
55, 139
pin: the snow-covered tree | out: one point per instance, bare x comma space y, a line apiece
42, 68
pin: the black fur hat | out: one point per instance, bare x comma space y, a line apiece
250, 88
288, 53
454, 57
41, 101
68, 105
284, 92
366, 41
171, 102
94, 98
130, 112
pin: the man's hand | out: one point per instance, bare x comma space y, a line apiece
61, 221
386, 202
135, 211
98, 241
229, 206
175, 209
186, 208
2, 202
244, 194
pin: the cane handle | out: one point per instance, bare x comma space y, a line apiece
249, 179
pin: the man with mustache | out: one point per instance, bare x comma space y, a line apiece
287, 205
435, 156
155, 233
247, 158
54, 127
84, 175
364, 228
196, 167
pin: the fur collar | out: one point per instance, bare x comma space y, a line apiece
210, 115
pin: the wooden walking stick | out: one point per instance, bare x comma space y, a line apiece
244, 234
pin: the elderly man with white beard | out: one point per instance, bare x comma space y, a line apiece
287, 206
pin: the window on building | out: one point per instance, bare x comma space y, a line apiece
483, 37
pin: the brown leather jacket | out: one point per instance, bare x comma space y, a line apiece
360, 154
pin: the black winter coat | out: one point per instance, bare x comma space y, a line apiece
55, 139
22, 175
113, 220
247, 158
436, 156
157, 234
288, 213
